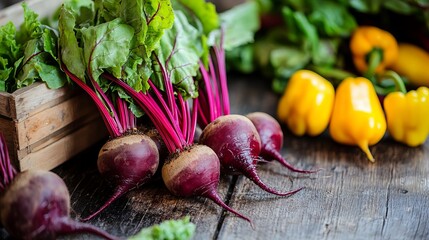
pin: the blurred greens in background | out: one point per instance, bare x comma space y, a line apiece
314, 34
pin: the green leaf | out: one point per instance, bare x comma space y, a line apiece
333, 19
239, 25
178, 56
181, 229
9, 48
242, 59
30, 28
367, 6
106, 47
51, 75
400, 6
205, 12
39, 64
10, 51
5, 73
149, 18
71, 52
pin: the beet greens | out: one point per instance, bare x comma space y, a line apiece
96, 39
134, 50
213, 93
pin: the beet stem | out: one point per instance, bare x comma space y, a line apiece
252, 175
65, 225
214, 196
119, 191
272, 153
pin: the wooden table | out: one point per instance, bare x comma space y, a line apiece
350, 198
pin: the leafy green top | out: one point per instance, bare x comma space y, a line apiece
29, 54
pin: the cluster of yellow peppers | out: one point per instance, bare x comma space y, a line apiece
353, 111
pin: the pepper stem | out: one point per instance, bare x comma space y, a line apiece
397, 80
375, 57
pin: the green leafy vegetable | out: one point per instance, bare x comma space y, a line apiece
177, 58
181, 229
106, 47
205, 12
29, 54
9, 52
239, 25
70, 18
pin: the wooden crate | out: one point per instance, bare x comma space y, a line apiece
45, 127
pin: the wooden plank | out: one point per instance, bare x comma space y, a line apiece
6, 105
33, 99
349, 199
65, 147
43, 124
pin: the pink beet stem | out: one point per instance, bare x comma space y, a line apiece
7, 171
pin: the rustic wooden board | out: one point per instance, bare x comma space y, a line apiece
46, 127
31, 100
349, 198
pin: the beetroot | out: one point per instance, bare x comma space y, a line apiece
130, 158
128, 162
191, 170
236, 141
195, 172
271, 136
35, 204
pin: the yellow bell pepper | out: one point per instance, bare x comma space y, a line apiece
307, 103
412, 62
357, 117
373, 49
408, 116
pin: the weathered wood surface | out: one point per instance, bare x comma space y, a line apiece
349, 198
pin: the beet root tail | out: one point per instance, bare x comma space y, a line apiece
67, 226
214, 196
119, 191
252, 175
272, 153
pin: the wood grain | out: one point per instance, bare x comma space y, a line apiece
349, 198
